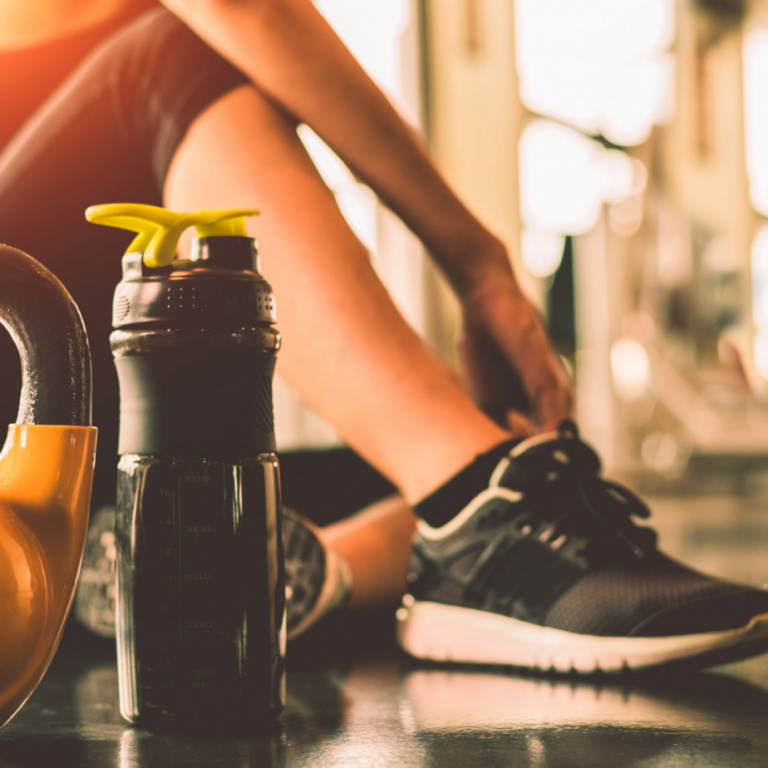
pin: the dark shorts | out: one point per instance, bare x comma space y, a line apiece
109, 135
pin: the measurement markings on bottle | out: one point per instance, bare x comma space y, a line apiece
201, 624
190, 479
198, 529
203, 672
205, 576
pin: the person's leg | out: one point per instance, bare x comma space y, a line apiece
376, 545
346, 350
360, 516
523, 554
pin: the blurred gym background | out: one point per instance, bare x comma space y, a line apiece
620, 148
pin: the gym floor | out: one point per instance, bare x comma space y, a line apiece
353, 700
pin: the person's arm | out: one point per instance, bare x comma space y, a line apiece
292, 55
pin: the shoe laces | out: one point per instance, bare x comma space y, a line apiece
562, 476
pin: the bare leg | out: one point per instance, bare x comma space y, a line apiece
347, 351
376, 543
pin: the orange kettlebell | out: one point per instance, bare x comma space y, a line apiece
46, 473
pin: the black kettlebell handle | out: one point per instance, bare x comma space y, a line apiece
48, 331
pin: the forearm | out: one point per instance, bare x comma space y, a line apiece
292, 55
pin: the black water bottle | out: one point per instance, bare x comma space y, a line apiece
200, 615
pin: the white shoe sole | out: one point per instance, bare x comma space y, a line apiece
446, 633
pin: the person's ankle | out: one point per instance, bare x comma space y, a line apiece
443, 504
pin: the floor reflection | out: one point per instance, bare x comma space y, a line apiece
698, 718
393, 713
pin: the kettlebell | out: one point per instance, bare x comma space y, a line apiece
46, 473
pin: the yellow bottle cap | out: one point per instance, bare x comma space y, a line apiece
158, 229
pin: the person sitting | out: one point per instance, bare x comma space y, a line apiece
520, 553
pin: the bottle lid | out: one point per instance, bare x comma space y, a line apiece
218, 286
158, 229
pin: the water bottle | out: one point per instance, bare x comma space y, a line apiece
200, 587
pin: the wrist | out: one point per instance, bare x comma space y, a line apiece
476, 268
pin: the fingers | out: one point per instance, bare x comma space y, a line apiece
509, 360
553, 405
491, 380
545, 380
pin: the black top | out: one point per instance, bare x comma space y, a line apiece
28, 76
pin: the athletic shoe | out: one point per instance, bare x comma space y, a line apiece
546, 569
316, 577
94, 604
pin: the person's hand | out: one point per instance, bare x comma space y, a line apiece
512, 372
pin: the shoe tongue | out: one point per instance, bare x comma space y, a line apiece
560, 451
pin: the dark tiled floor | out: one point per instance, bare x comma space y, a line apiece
354, 701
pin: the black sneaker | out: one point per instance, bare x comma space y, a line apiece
545, 569
317, 578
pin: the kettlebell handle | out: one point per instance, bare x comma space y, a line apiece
47, 328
